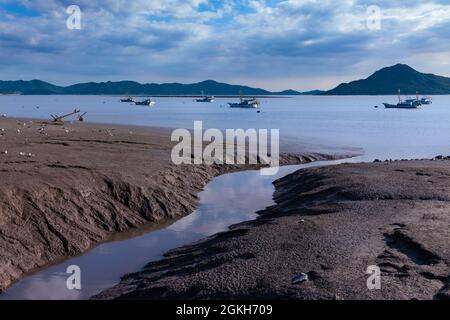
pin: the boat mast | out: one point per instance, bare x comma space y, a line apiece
399, 98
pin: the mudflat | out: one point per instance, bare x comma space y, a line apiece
65, 188
329, 226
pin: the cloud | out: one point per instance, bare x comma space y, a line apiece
276, 43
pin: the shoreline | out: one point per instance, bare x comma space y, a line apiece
233, 96
76, 185
330, 223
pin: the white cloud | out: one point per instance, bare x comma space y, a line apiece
187, 40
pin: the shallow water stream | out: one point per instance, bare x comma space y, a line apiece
226, 200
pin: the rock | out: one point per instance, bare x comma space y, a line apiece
300, 278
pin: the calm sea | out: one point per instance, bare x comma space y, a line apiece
348, 121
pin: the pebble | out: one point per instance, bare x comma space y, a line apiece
300, 278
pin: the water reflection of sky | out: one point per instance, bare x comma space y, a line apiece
227, 200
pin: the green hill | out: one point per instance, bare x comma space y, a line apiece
29, 87
389, 80
133, 88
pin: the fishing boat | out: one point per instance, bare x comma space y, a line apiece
426, 100
245, 103
404, 104
146, 102
206, 98
129, 99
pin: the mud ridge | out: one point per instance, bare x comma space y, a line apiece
331, 223
69, 197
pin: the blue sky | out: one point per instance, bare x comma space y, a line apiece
298, 44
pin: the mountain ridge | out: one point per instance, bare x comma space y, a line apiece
127, 87
389, 80
386, 81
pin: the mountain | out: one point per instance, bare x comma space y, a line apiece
134, 88
388, 80
29, 87
312, 93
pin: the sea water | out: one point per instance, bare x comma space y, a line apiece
341, 121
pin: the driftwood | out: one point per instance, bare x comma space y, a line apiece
57, 118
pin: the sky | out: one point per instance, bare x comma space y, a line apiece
276, 45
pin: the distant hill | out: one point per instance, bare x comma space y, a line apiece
312, 93
389, 80
29, 87
34, 87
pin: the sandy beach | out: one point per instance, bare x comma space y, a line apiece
329, 223
66, 188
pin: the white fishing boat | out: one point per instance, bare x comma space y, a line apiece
246, 103
426, 100
129, 99
146, 102
404, 104
205, 98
